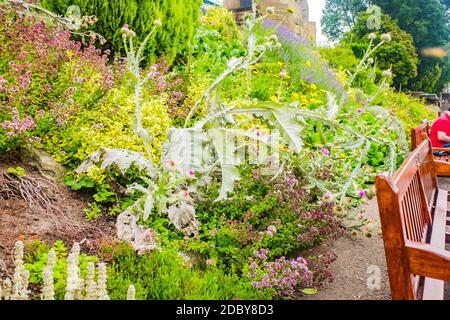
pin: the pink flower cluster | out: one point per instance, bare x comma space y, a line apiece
162, 82
17, 125
282, 275
243, 232
289, 190
36, 77
313, 223
271, 230
321, 268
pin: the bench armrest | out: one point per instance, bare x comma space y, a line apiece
442, 168
428, 261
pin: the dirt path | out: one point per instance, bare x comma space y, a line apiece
357, 259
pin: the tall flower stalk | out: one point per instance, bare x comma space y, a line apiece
135, 56
367, 58
48, 291
73, 273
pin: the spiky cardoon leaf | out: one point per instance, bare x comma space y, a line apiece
120, 158
227, 159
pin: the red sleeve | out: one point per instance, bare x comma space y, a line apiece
443, 126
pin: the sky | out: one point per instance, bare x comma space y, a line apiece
315, 14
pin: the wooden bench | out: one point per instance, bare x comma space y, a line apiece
420, 134
413, 213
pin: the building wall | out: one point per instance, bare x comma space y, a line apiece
298, 22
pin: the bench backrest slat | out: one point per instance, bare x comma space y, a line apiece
414, 221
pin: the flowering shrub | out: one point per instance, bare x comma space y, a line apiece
287, 277
302, 62
46, 76
219, 224
109, 125
281, 275
281, 215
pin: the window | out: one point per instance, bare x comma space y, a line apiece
246, 4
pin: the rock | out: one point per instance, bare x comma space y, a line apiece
46, 165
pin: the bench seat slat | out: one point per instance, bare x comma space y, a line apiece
434, 289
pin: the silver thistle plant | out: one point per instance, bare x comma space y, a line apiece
171, 190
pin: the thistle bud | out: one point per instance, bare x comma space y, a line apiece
127, 32
386, 37
270, 10
387, 74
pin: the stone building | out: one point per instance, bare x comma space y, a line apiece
298, 21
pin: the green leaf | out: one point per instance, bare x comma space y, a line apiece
17, 171
309, 291
315, 138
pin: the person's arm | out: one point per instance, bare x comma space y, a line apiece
442, 136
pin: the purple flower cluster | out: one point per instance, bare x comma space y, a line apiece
162, 83
292, 42
289, 190
17, 125
284, 33
47, 71
321, 268
271, 230
282, 275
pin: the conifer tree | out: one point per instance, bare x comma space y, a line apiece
178, 22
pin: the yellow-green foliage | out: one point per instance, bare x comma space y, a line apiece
409, 111
194, 92
221, 20
110, 125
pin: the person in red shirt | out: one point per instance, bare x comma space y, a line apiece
440, 131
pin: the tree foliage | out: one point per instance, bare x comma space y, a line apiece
340, 16
399, 55
428, 22
178, 21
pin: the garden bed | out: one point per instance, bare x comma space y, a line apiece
65, 221
213, 170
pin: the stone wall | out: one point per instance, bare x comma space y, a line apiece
298, 22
